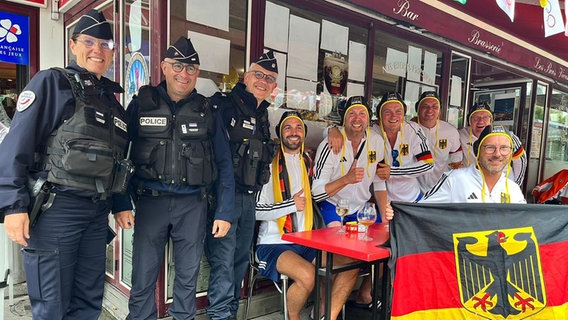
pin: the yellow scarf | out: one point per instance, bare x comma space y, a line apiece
278, 187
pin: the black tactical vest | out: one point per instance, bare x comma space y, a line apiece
85, 150
174, 148
249, 135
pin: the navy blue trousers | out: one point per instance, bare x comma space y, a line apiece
181, 218
229, 259
65, 259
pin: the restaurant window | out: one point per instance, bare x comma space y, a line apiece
459, 86
217, 30
135, 47
556, 149
321, 60
406, 67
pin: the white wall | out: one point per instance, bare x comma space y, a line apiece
51, 40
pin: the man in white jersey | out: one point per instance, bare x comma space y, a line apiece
444, 139
349, 173
487, 180
407, 155
478, 118
285, 205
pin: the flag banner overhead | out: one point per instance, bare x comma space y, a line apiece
479, 261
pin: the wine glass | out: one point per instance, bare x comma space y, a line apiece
342, 209
367, 217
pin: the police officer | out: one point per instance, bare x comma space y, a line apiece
68, 133
246, 118
178, 148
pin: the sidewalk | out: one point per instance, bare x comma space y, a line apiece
21, 310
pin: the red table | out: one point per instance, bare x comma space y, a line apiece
349, 245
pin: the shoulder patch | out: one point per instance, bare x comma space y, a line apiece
25, 100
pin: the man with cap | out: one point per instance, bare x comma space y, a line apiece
349, 174
285, 205
486, 181
245, 116
478, 118
56, 179
179, 148
407, 154
444, 139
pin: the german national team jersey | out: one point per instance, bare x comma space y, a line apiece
466, 185
444, 143
409, 159
268, 211
330, 167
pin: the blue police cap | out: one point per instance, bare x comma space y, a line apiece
95, 25
268, 61
183, 51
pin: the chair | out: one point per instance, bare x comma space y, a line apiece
254, 275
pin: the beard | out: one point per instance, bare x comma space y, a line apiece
486, 164
293, 146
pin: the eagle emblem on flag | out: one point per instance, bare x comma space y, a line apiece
499, 273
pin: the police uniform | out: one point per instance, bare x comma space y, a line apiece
178, 148
70, 130
251, 152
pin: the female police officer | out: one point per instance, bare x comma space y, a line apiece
69, 131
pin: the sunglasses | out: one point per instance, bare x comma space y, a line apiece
395, 162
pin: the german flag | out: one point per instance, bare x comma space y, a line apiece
479, 261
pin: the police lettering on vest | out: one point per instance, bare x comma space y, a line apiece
174, 150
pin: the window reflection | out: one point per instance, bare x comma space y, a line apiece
556, 150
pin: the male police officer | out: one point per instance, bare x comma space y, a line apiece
177, 146
66, 137
246, 118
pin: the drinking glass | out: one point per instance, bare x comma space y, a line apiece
342, 209
367, 217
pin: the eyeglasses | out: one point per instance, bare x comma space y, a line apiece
480, 118
395, 162
503, 150
191, 69
261, 75
107, 45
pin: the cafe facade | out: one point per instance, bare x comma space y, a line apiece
327, 51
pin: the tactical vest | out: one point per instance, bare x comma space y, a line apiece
174, 149
84, 152
249, 135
